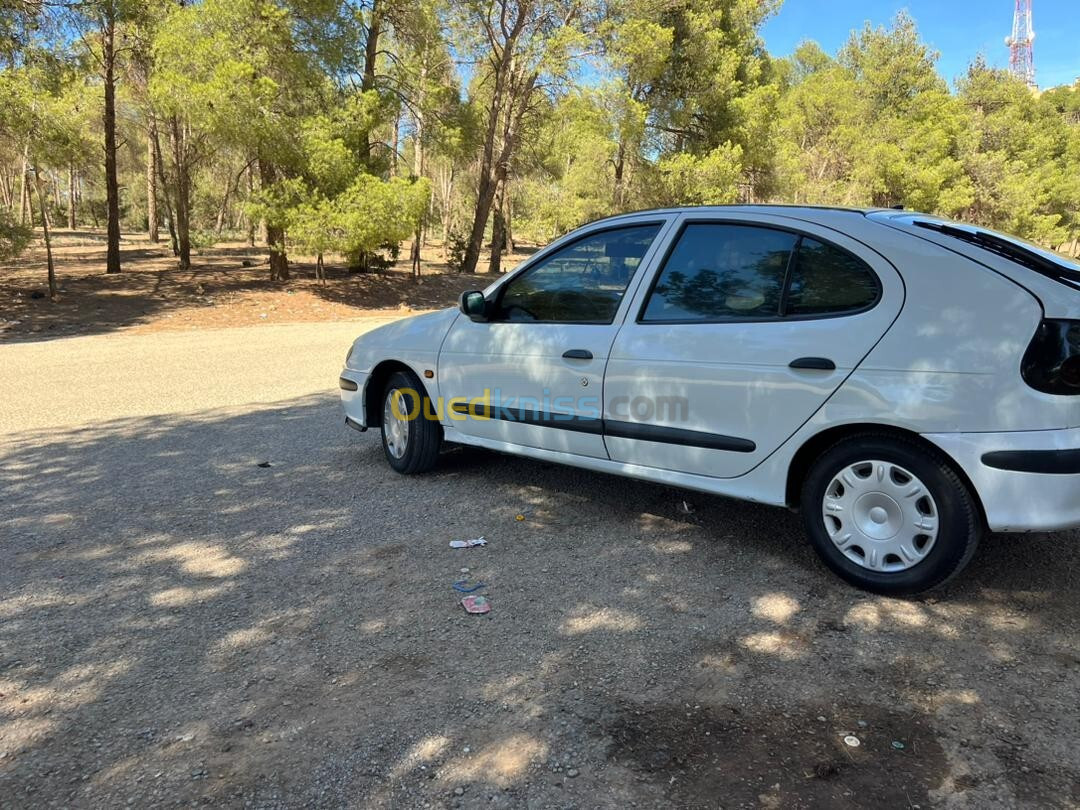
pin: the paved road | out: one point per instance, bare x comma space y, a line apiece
179, 625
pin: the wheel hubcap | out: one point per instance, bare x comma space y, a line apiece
880, 516
395, 426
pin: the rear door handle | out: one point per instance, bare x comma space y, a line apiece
815, 363
577, 354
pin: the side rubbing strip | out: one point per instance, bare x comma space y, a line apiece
607, 427
669, 435
565, 421
1045, 462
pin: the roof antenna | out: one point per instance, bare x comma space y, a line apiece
897, 207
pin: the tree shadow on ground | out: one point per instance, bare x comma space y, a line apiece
182, 624
227, 285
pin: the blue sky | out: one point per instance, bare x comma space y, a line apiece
958, 29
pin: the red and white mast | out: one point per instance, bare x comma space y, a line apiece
1021, 42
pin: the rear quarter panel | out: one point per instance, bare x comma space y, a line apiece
951, 361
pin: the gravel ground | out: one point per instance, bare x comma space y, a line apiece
180, 625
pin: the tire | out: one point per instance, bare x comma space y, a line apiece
889, 515
411, 446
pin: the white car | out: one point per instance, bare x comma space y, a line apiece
907, 383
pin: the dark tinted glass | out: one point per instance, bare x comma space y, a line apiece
582, 283
722, 272
826, 280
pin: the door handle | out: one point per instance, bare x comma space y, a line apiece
577, 354
815, 363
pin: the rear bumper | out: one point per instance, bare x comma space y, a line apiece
1027, 481
353, 385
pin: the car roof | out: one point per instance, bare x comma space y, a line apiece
808, 212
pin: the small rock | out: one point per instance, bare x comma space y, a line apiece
459, 791
572, 773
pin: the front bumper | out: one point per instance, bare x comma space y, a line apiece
353, 386
1027, 481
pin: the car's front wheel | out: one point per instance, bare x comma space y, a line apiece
889, 515
410, 439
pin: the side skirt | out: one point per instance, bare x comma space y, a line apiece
740, 487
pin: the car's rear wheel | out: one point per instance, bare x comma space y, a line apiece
889, 515
410, 440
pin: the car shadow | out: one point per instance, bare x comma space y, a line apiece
249, 607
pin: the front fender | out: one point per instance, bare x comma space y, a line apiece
411, 343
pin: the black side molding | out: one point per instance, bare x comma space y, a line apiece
684, 438
1046, 462
346, 384
527, 416
607, 427
816, 363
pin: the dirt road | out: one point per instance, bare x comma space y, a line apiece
180, 625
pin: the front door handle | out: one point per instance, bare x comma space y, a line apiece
815, 363
577, 354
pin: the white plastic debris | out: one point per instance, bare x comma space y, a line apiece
476, 541
852, 741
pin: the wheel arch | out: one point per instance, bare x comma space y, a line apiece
820, 442
376, 384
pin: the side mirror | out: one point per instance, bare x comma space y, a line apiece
473, 304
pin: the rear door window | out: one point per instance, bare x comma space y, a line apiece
722, 272
828, 281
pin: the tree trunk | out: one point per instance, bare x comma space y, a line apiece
7, 189
494, 168
29, 200
620, 168
418, 169
24, 188
112, 187
165, 194
72, 197
498, 231
151, 181
220, 224
45, 234
394, 144
485, 193
371, 52
484, 197
508, 223
183, 193
251, 193
275, 234
447, 211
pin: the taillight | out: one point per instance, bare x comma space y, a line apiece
1052, 361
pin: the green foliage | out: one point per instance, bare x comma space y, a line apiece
368, 214
682, 105
708, 180
13, 237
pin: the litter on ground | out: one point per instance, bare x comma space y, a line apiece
476, 541
462, 586
476, 604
